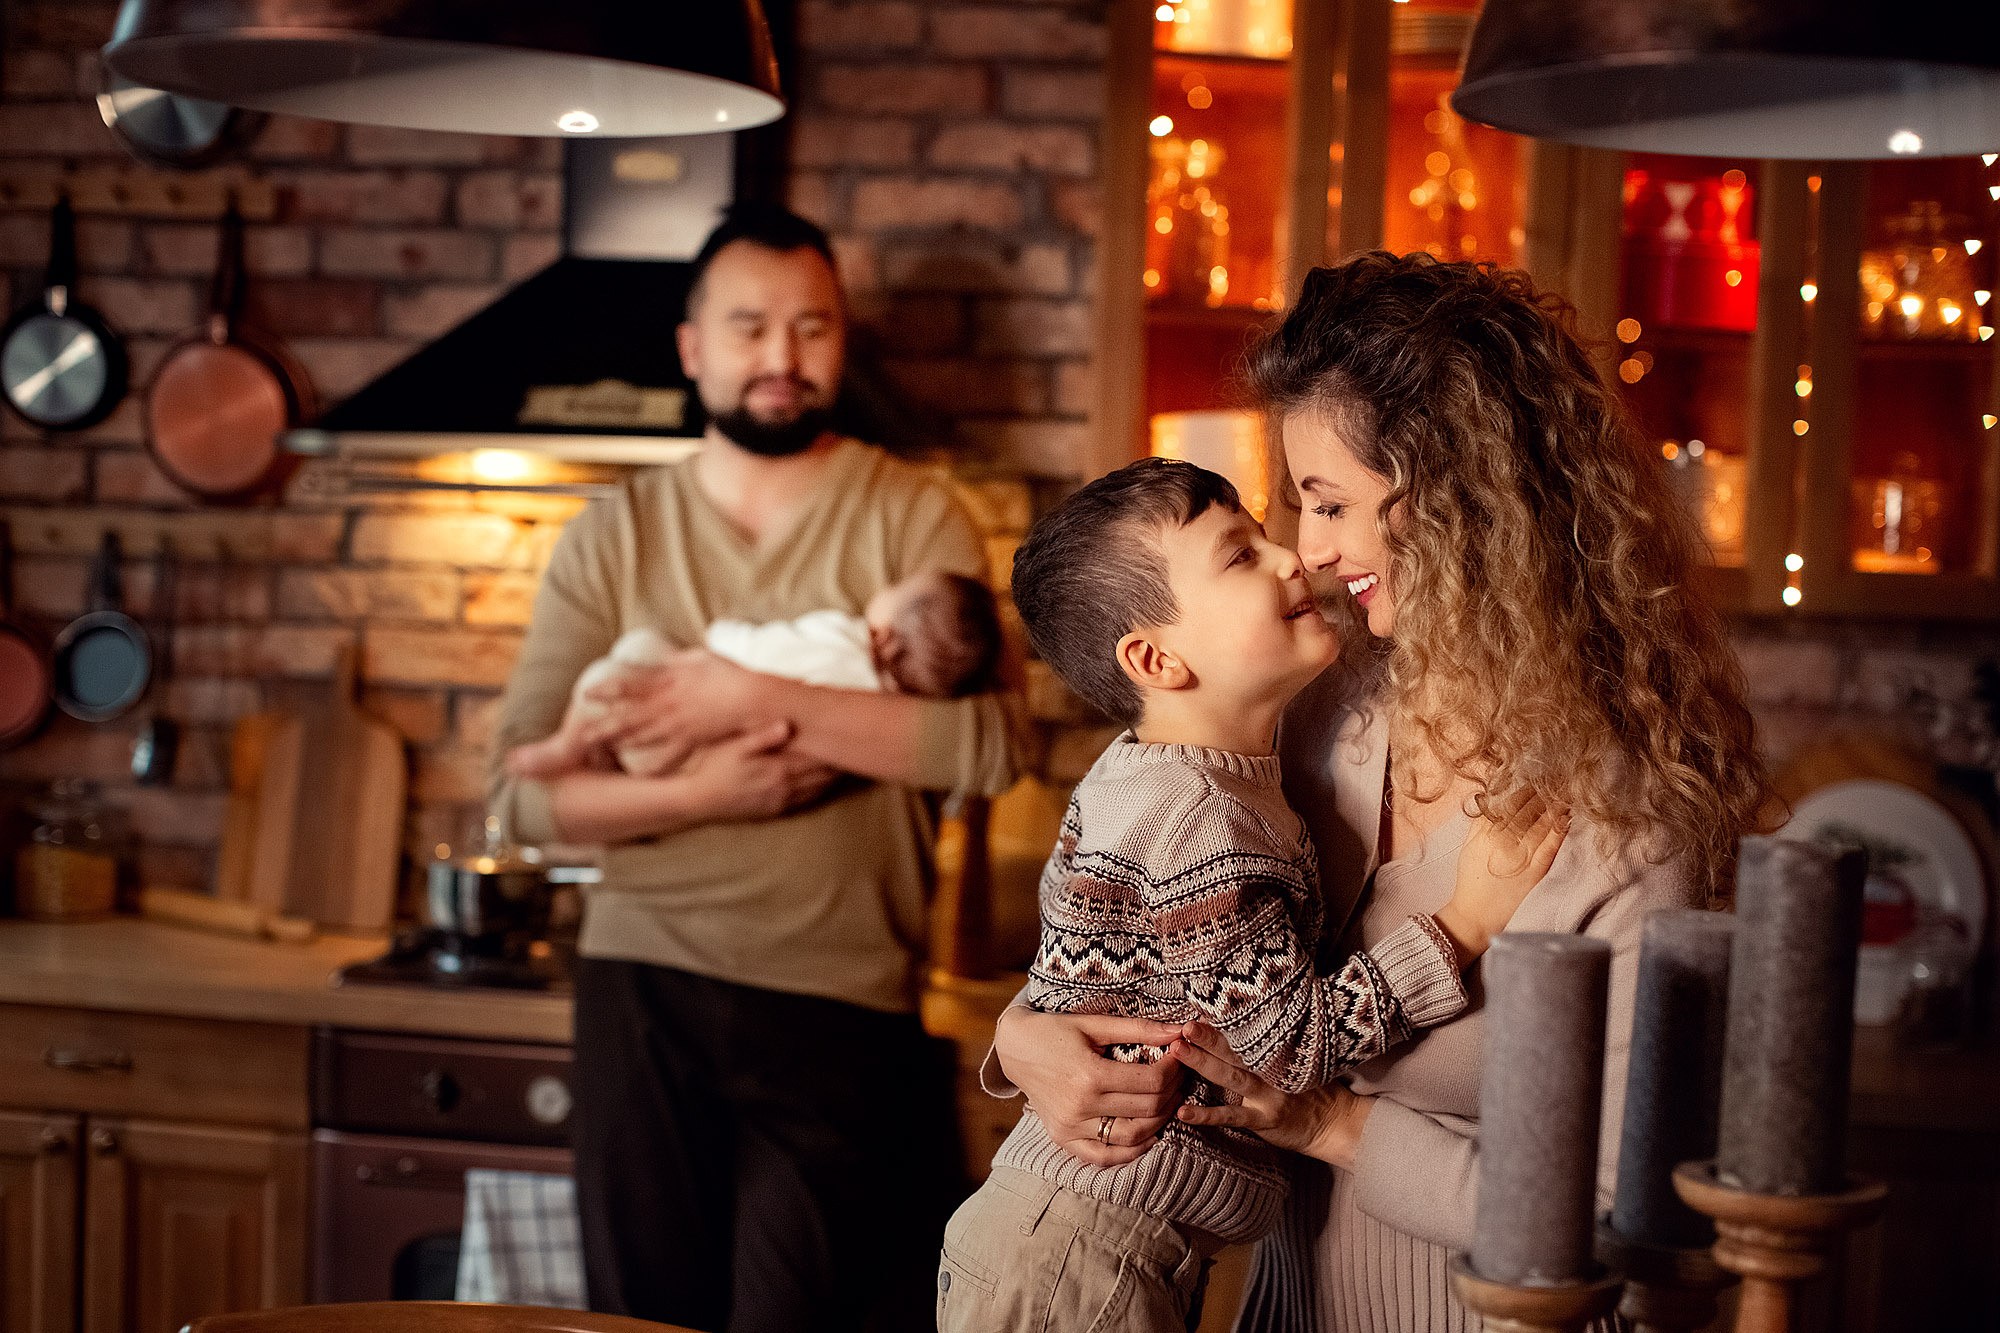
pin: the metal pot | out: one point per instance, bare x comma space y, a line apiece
485, 897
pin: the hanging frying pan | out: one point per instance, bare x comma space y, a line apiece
102, 661
26, 685
61, 364
223, 396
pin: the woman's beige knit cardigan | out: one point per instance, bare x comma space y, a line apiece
1365, 1251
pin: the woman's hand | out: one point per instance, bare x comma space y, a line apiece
694, 699
1508, 853
1058, 1061
1324, 1123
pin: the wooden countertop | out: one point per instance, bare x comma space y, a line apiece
1895, 1087
138, 966
143, 966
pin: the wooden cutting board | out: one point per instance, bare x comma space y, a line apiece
250, 743
346, 825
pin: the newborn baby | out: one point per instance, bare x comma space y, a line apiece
933, 634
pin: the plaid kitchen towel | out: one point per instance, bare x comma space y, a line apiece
521, 1244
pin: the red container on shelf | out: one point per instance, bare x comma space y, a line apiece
1690, 261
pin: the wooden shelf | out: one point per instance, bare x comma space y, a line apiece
1223, 319
1885, 349
1658, 337
1166, 56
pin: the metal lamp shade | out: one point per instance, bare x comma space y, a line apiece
615, 68
1774, 79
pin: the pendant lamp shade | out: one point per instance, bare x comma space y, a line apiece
1767, 79
614, 68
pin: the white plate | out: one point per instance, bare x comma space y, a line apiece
1943, 870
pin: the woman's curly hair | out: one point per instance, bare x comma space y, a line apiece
1548, 637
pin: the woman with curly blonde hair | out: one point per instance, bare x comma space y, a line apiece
1474, 495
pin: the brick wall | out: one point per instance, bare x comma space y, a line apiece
951, 152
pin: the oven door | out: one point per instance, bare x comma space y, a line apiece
387, 1211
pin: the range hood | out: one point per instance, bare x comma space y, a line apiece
577, 362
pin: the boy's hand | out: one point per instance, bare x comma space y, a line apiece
1509, 852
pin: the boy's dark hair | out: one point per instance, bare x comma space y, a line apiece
963, 653
1092, 570
772, 226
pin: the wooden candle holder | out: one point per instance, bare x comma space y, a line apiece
1774, 1242
1667, 1290
1566, 1308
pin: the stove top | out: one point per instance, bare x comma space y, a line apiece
437, 958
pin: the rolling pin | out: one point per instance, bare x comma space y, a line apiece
231, 918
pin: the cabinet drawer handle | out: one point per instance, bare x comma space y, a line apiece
78, 1062
104, 1141
52, 1140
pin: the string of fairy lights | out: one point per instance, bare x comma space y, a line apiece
1913, 290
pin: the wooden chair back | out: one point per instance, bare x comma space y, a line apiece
423, 1317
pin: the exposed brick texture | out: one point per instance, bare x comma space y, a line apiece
950, 149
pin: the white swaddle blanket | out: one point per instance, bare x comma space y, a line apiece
820, 648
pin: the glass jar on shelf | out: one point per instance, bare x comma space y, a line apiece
1898, 519
1187, 240
1454, 189
68, 868
1920, 284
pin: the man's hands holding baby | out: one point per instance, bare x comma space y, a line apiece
693, 721
672, 710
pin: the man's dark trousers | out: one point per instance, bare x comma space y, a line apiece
755, 1161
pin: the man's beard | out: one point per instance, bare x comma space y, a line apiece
773, 439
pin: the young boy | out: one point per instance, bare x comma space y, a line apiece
1182, 886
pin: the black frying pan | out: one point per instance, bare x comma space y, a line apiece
61, 365
26, 683
102, 661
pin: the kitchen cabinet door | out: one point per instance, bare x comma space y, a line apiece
38, 1198
184, 1220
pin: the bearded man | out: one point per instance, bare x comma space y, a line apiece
763, 1133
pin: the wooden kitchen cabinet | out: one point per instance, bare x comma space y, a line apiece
184, 1220
1806, 345
38, 1216
158, 1173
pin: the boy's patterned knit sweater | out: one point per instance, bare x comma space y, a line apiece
1182, 886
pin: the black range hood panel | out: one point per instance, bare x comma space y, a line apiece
586, 346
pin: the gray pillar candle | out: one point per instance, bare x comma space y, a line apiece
1791, 1018
1539, 1103
1673, 1083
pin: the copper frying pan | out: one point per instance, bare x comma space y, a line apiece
27, 684
223, 397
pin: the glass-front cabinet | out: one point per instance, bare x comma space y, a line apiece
1807, 348
1901, 458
